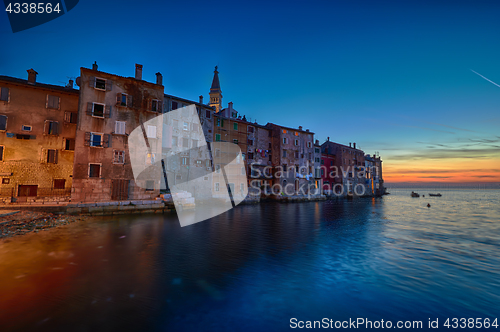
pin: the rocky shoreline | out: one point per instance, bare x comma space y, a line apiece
24, 222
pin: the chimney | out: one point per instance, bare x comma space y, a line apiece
307, 130
201, 99
230, 106
354, 144
328, 138
138, 71
94, 65
70, 84
350, 144
317, 142
300, 127
32, 76
159, 78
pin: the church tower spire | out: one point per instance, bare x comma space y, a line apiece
216, 93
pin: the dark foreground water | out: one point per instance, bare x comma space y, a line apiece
256, 267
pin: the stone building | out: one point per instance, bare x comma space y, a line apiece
259, 159
186, 141
110, 108
37, 138
349, 167
293, 161
373, 174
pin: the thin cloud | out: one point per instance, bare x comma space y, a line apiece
485, 78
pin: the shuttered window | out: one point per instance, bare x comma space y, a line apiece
52, 102
96, 139
69, 144
94, 170
1, 152
70, 117
51, 156
4, 94
59, 183
3, 122
51, 127
151, 132
120, 127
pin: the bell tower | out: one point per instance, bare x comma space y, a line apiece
216, 93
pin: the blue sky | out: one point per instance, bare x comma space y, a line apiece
393, 76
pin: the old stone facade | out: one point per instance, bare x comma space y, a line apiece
293, 161
110, 108
37, 138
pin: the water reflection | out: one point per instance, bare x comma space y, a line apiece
253, 268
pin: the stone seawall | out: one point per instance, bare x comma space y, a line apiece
119, 207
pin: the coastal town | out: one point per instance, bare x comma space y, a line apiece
69, 147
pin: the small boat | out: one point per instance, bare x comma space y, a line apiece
414, 194
435, 195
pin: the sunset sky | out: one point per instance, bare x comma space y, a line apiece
416, 81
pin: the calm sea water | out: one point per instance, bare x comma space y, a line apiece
256, 267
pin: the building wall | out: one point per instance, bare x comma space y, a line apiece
25, 152
86, 188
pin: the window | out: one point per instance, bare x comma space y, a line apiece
120, 127
175, 124
284, 153
242, 186
185, 161
155, 106
4, 94
317, 150
217, 152
251, 129
123, 99
316, 160
185, 142
217, 186
174, 141
150, 158
150, 185
207, 114
198, 163
100, 84
235, 126
284, 131
151, 131
250, 155
235, 141
51, 127
195, 127
217, 168
208, 164
98, 110
296, 133
285, 168
52, 102
194, 143
296, 142
94, 170
218, 122
3, 122
250, 142
118, 157
96, 139
26, 128
2, 148
234, 114
217, 137
309, 144
59, 183
174, 105
285, 140
5, 180
51, 156
70, 117
69, 144
296, 154
185, 126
